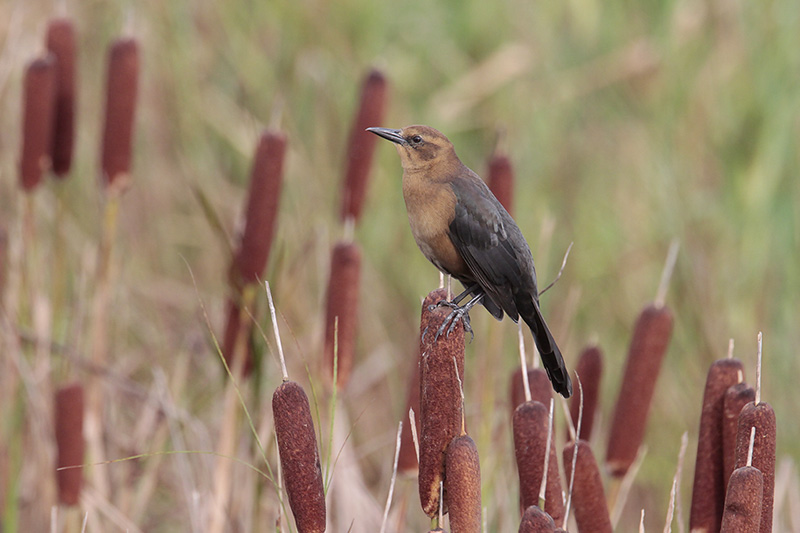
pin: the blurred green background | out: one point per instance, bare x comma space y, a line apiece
629, 124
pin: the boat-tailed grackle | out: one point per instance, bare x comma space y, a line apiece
464, 231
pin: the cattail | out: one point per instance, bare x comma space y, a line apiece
37, 121
501, 179
708, 492
297, 445
68, 418
262, 206
230, 338
341, 313
462, 485
735, 398
762, 417
530, 424
534, 520
3, 260
539, 383
589, 370
61, 43
649, 344
441, 375
591, 511
121, 89
743, 501
362, 144
407, 461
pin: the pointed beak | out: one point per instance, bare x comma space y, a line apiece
389, 134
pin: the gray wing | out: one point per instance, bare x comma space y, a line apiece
492, 245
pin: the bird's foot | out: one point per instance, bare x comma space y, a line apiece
450, 321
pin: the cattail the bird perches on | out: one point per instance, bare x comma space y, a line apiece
121, 91
441, 376
708, 493
68, 417
37, 121
61, 43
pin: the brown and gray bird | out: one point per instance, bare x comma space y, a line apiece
464, 231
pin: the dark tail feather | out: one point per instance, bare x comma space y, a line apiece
551, 356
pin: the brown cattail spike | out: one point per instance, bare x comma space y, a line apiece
736, 397
501, 179
69, 440
121, 90
539, 383
341, 314
649, 344
37, 121
463, 485
530, 425
262, 207
441, 375
762, 417
589, 370
591, 512
534, 520
61, 43
362, 144
297, 444
743, 501
407, 463
708, 493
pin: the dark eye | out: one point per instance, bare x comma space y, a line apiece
416, 139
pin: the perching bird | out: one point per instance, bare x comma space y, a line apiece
464, 231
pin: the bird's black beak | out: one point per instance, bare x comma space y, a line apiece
389, 134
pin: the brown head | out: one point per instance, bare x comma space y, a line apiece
419, 147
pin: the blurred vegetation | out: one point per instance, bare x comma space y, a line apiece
629, 124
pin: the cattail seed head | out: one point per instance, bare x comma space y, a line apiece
539, 383
589, 370
462, 483
61, 43
407, 461
361, 146
534, 520
736, 397
762, 417
591, 510
37, 121
121, 90
501, 179
262, 207
708, 493
743, 510
68, 417
297, 445
530, 424
647, 349
441, 375
341, 314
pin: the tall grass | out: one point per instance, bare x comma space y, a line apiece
628, 124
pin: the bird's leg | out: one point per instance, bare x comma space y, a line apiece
455, 301
458, 313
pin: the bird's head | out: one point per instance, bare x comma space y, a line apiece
418, 146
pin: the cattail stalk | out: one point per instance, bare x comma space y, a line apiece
68, 417
588, 499
440, 397
647, 349
530, 425
462, 485
61, 43
361, 145
297, 444
342, 311
37, 121
708, 492
589, 371
121, 92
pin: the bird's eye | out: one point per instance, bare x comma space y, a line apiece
416, 139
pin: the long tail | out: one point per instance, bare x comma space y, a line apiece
551, 356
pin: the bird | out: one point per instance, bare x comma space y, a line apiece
462, 229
